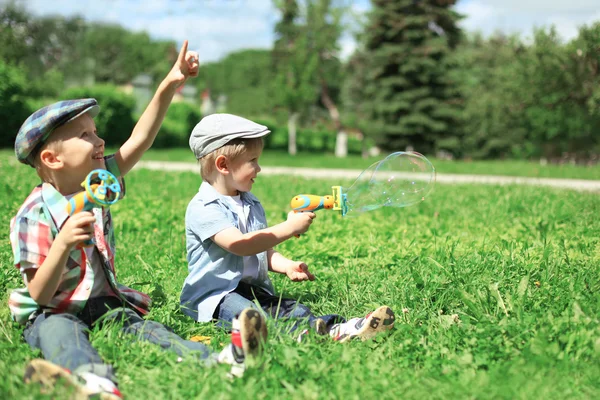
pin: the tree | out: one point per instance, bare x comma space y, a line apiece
245, 77
410, 98
117, 55
13, 110
324, 28
295, 67
493, 87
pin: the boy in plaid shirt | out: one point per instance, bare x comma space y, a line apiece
70, 288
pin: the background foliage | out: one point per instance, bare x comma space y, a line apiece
414, 80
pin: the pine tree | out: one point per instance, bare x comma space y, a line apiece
409, 96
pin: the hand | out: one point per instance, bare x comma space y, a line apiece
300, 222
187, 65
298, 271
78, 228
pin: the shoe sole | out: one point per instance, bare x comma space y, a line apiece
320, 327
380, 320
47, 374
253, 332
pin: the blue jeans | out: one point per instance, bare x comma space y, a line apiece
282, 309
63, 338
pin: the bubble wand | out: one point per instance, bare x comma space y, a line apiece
401, 179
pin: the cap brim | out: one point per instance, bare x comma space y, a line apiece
91, 110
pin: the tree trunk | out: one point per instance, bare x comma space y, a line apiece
292, 121
341, 144
341, 140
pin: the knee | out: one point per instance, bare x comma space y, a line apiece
57, 322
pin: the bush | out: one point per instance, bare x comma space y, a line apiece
13, 107
307, 140
115, 121
177, 126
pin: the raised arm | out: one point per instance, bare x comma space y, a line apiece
145, 130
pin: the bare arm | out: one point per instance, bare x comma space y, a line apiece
297, 271
277, 262
251, 243
43, 281
147, 128
248, 244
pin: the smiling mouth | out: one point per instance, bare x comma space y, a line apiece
98, 156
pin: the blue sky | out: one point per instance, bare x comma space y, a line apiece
217, 27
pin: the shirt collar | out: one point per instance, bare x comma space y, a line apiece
56, 204
210, 194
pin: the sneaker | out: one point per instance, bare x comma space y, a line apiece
86, 385
364, 328
248, 336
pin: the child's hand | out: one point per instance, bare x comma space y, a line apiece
300, 222
78, 228
298, 271
187, 65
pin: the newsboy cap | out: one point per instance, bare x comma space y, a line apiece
36, 129
216, 130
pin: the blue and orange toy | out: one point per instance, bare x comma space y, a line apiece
311, 202
101, 189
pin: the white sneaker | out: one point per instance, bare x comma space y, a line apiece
86, 384
380, 320
248, 337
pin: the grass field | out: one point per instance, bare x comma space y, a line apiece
496, 290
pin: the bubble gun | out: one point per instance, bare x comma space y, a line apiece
101, 189
311, 202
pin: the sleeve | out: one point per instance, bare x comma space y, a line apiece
111, 166
206, 220
31, 240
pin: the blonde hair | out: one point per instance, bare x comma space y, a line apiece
231, 150
51, 143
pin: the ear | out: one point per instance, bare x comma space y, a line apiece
222, 164
50, 159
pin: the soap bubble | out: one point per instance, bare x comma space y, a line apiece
399, 180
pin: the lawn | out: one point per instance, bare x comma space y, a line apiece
496, 291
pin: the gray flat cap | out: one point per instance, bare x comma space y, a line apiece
216, 130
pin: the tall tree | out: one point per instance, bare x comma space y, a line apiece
295, 65
410, 98
324, 29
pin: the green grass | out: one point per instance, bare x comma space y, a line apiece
496, 290
496, 167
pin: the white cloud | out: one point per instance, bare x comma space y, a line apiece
213, 27
217, 27
521, 16
347, 47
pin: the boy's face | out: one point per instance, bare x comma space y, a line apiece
244, 169
78, 149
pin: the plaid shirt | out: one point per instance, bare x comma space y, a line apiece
32, 232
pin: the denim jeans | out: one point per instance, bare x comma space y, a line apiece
64, 338
282, 309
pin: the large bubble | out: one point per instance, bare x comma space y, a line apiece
399, 180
